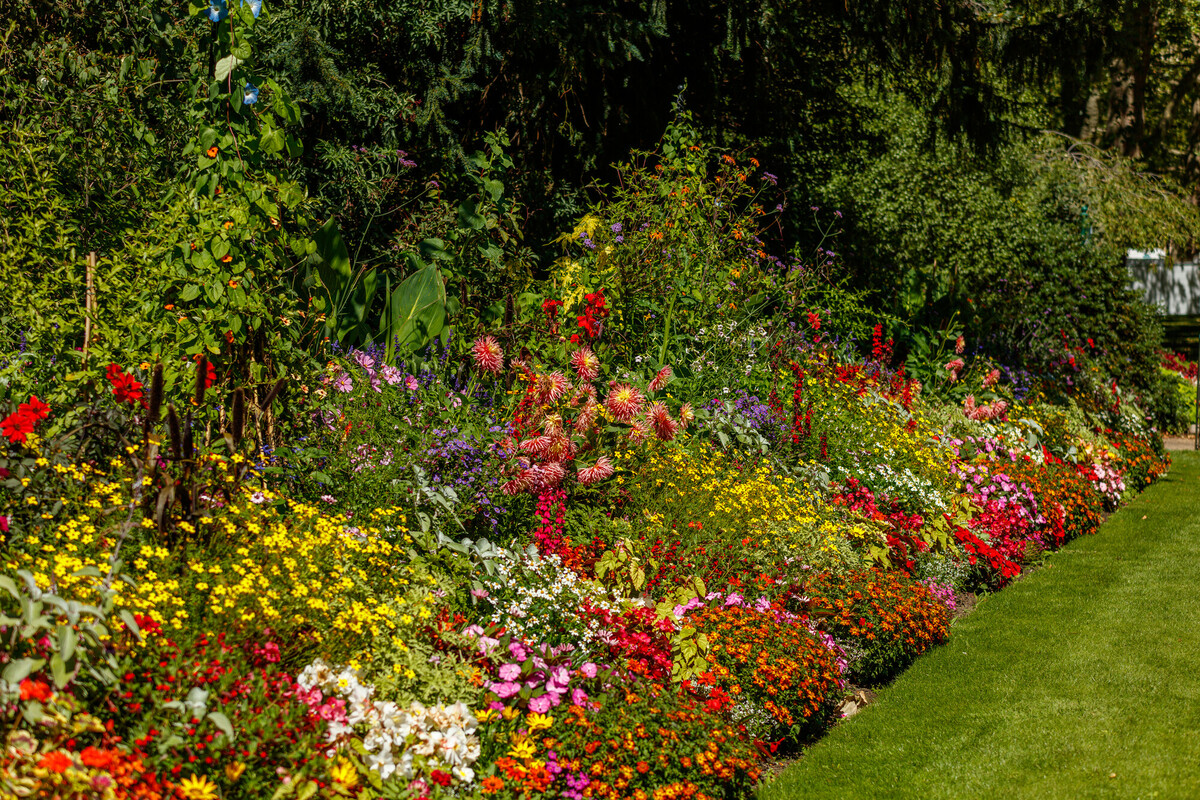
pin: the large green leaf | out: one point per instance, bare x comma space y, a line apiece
417, 309
332, 259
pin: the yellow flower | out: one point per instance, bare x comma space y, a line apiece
486, 714
344, 773
234, 771
523, 748
198, 787
538, 722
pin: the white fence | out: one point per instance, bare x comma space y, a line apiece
1174, 289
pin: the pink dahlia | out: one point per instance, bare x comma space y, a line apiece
639, 433
602, 469
660, 380
553, 386
587, 416
487, 354
586, 364
665, 428
686, 415
624, 402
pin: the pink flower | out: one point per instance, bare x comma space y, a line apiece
665, 428
510, 672
991, 379
505, 689
589, 669
343, 383
624, 402
586, 364
411, 383
579, 697
686, 415
487, 354
960, 344
602, 469
955, 365
587, 416
660, 380
540, 704
390, 374
553, 386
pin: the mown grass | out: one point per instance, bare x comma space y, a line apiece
1080, 681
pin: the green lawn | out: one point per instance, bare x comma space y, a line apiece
1082, 680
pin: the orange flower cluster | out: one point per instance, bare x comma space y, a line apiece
893, 618
1140, 465
655, 745
773, 663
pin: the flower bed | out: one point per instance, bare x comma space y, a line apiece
656, 612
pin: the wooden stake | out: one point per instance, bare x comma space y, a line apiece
89, 304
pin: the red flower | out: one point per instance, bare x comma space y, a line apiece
440, 778
125, 387
34, 690
56, 761
16, 427
814, 320
35, 408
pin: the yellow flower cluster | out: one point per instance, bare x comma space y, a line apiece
681, 489
307, 576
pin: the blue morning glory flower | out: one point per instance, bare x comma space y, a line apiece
255, 6
217, 10
250, 97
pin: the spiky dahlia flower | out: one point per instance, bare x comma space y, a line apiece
603, 468
686, 415
624, 402
665, 428
661, 380
487, 354
639, 433
586, 364
587, 416
551, 387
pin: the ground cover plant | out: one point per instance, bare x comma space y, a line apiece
281, 522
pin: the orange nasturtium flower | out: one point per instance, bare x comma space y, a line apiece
212, 151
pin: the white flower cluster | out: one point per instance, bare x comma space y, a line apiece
904, 484
443, 737
538, 600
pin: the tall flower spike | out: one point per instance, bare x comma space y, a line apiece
660, 380
586, 364
487, 354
